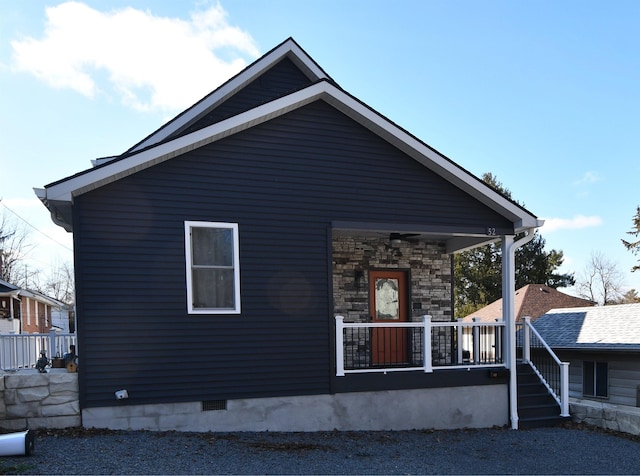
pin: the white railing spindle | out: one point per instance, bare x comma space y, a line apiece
426, 336
526, 340
476, 342
460, 339
340, 346
564, 389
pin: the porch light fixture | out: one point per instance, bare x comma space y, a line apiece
358, 279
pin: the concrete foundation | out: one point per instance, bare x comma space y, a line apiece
440, 408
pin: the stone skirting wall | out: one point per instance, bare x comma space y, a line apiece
29, 399
606, 415
428, 263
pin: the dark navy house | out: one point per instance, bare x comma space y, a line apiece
279, 257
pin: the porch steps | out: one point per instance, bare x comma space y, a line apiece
536, 406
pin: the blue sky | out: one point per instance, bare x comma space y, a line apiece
543, 94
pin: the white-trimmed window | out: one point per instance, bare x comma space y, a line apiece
213, 268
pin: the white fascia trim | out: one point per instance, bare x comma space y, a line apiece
288, 48
323, 90
102, 160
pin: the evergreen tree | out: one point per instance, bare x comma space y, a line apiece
634, 246
478, 272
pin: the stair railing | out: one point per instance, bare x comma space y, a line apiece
552, 371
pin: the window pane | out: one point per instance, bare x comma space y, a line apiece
387, 306
602, 379
213, 288
212, 246
588, 378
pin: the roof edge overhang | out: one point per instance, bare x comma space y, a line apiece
59, 195
41, 298
60, 210
12, 294
599, 348
6, 284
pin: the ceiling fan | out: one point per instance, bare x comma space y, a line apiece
396, 239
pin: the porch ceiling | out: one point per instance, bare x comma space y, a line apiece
455, 242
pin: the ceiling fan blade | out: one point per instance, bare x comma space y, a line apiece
402, 236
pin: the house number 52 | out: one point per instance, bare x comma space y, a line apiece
491, 231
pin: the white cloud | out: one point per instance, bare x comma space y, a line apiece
18, 203
151, 62
587, 179
575, 223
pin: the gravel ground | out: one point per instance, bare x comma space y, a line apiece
568, 450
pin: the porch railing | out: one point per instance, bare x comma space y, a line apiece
552, 371
22, 351
426, 345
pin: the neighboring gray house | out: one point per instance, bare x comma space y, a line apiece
602, 345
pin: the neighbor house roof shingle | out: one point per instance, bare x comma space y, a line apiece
603, 327
532, 300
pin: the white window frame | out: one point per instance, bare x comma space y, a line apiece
188, 226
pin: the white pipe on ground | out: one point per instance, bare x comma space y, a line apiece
21, 443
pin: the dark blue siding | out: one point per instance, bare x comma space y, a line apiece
282, 78
283, 182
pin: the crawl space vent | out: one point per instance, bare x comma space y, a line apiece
213, 405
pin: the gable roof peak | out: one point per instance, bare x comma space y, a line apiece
289, 48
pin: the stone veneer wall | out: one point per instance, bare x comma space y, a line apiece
428, 263
29, 399
606, 415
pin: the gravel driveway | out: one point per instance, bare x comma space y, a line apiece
568, 450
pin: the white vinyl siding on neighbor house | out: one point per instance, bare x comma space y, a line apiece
213, 268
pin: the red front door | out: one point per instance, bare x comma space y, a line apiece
388, 300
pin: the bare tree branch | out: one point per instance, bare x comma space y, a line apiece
14, 247
601, 281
